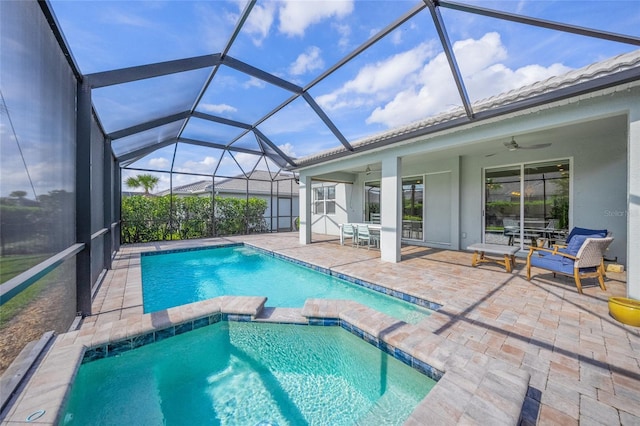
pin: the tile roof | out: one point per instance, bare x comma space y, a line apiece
260, 183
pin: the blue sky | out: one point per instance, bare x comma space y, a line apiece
401, 79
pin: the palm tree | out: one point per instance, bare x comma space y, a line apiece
148, 182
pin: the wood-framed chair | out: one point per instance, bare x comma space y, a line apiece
582, 258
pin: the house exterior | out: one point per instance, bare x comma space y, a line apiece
281, 194
584, 126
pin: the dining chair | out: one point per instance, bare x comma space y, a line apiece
363, 235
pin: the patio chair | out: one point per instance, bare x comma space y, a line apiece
581, 231
348, 232
363, 235
374, 235
582, 258
561, 245
511, 229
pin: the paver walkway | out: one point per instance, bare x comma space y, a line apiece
584, 365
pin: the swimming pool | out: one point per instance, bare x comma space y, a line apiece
248, 374
177, 278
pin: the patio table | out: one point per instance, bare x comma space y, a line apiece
480, 249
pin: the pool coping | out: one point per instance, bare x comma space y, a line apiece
472, 388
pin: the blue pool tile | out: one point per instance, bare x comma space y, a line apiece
201, 322
142, 340
181, 250
163, 334
215, 318
371, 339
183, 328
93, 354
427, 369
387, 348
403, 356
315, 321
116, 348
237, 317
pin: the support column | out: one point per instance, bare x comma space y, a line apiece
107, 196
117, 202
391, 209
633, 209
304, 204
83, 199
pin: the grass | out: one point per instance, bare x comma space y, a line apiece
10, 308
10, 266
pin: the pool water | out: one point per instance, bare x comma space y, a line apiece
240, 373
178, 278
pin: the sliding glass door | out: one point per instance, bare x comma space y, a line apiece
527, 204
412, 208
372, 202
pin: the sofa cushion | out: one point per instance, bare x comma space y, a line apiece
574, 246
557, 263
552, 262
584, 231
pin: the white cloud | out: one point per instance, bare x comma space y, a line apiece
218, 108
396, 37
128, 19
378, 81
206, 166
414, 84
296, 15
254, 82
259, 22
159, 162
288, 149
344, 31
308, 61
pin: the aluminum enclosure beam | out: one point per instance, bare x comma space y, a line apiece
451, 58
142, 151
271, 145
574, 29
312, 103
83, 192
148, 125
260, 74
127, 75
219, 146
221, 120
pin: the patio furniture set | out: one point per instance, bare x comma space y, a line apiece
361, 233
581, 257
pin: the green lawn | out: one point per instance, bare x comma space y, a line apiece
13, 265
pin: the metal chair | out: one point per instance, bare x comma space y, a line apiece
363, 235
348, 232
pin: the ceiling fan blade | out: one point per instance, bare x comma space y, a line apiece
537, 146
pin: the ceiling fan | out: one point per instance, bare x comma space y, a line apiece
513, 145
366, 171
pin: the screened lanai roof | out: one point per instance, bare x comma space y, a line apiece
222, 87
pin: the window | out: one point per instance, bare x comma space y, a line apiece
324, 200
